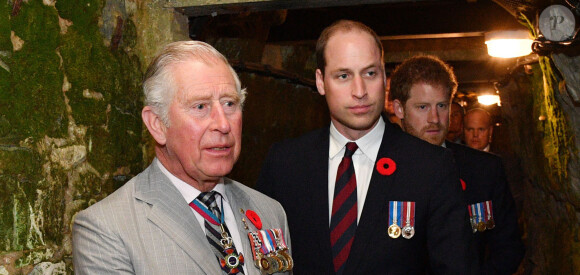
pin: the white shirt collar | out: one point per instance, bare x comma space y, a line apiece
486, 149
188, 192
368, 145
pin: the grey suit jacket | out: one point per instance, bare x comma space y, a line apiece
145, 227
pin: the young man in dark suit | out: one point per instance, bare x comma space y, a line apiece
421, 89
361, 196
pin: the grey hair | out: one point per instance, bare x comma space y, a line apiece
159, 85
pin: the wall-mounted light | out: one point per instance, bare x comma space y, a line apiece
508, 43
489, 99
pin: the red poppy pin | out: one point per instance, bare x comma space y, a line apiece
254, 218
463, 185
386, 166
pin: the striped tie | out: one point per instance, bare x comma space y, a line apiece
344, 211
213, 232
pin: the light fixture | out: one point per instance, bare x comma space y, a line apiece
489, 99
508, 43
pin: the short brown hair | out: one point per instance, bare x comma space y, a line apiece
425, 69
345, 26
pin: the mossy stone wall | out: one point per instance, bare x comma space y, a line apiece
70, 123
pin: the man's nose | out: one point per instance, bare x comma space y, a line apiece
220, 119
359, 87
433, 116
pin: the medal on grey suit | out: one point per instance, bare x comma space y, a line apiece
268, 248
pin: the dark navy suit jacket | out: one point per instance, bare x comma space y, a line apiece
295, 173
499, 250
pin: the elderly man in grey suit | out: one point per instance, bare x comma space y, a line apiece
181, 215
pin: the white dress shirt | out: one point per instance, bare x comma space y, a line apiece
189, 193
363, 160
486, 149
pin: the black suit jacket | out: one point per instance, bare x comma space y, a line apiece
499, 250
295, 173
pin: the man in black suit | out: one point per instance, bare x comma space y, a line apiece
421, 89
361, 196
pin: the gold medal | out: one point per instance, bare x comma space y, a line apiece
284, 266
265, 265
289, 261
481, 226
279, 261
490, 224
394, 231
408, 232
274, 264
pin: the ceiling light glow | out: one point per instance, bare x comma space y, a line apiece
489, 99
508, 44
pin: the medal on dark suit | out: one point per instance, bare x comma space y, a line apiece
408, 230
480, 217
394, 229
472, 217
490, 224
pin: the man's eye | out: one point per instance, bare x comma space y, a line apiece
342, 76
371, 73
230, 103
199, 106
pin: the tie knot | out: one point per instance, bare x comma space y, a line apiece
351, 147
208, 198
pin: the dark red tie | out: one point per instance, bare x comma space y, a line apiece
344, 212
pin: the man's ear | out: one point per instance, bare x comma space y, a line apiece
399, 109
156, 127
320, 82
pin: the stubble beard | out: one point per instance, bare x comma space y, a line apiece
435, 140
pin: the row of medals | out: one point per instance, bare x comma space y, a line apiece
407, 231
481, 226
275, 261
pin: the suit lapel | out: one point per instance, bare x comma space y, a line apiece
376, 200
237, 199
173, 216
317, 186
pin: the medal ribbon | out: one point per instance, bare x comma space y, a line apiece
409, 206
489, 211
256, 243
480, 216
469, 211
394, 213
280, 236
267, 241
272, 240
404, 211
207, 214
263, 248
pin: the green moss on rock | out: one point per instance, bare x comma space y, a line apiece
37, 25
83, 13
37, 107
36, 103
5, 43
557, 139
